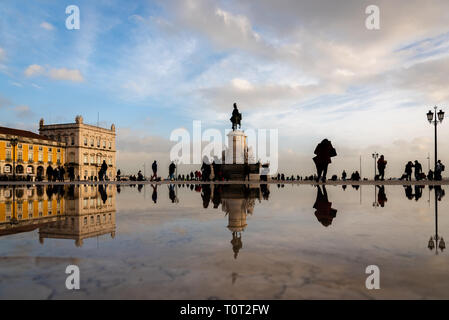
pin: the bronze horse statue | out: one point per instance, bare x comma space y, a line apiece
236, 118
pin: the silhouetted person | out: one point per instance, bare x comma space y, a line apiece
381, 196
71, 171
343, 175
119, 173
140, 176
49, 173
324, 212
430, 175
104, 169
246, 171
418, 170
439, 170
324, 152
381, 165
236, 117
408, 171
206, 170
171, 171
154, 168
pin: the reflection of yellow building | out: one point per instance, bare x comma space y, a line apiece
32, 154
63, 212
27, 208
90, 213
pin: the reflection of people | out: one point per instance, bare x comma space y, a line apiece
418, 192
409, 192
104, 195
171, 193
324, 212
205, 195
154, 195
381, 196
324, 152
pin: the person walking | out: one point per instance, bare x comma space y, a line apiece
381, 164
343, 175
171, 171
154, 168
104, 168
324, 152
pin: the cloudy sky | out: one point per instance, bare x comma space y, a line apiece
310, 69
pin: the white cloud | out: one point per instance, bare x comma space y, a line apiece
47, 26
34, 70
56, 74
66, 74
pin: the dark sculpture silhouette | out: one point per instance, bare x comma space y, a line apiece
236, 118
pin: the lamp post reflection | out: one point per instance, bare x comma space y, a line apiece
436, 242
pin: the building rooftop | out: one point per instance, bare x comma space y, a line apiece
23, 133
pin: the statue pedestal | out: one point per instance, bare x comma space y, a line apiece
236, 151
236, 155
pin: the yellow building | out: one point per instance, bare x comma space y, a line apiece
31, 153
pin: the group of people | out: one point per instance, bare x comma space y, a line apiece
56, 174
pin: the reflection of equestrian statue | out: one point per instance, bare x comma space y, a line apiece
236, 118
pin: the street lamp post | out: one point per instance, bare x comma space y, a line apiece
14, 142
375, 156
435, 117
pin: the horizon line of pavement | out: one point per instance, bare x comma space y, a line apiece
302, 182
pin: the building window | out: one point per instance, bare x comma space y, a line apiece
110, 145
20, 156
30, 147
92, 159
98, 143
30, 156
40, 148
50, 157
19, 146
85, 141
104, 143
86, 160
8, 155
40, 157
72, 140
110, 161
